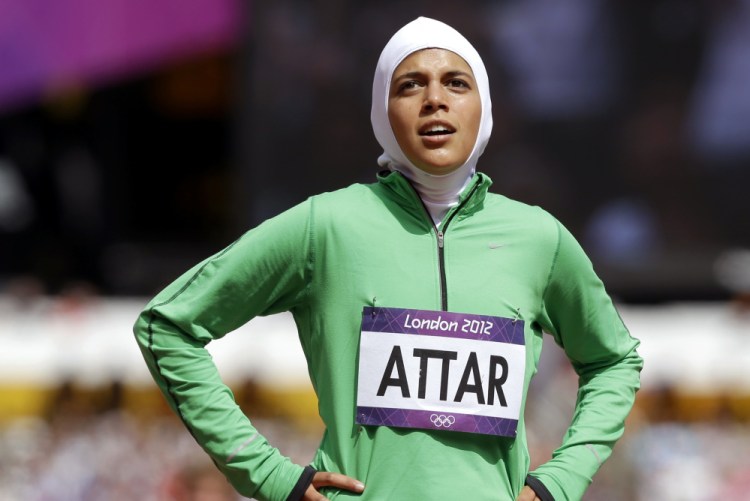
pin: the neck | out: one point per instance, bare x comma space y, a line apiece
439, 193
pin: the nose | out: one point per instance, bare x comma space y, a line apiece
434, 98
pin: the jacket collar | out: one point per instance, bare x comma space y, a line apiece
405, 194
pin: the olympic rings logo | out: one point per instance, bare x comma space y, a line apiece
442, 421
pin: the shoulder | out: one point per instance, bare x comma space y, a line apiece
525, 216
352, 202
352, 192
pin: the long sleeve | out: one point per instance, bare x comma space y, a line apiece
265, 271
580, 315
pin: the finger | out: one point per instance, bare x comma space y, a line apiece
311, 494
330, 479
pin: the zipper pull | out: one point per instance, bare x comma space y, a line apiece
440, 239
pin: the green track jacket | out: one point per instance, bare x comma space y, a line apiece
374, 244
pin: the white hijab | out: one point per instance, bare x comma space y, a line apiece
438, 192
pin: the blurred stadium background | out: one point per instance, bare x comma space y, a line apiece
138, 137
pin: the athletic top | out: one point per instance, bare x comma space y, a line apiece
374, 245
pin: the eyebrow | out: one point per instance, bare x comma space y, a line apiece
450, 74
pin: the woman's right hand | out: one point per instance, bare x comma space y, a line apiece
328, 479
527, 494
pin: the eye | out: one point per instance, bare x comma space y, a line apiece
407, 85
457, 83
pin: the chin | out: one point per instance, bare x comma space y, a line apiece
438, 169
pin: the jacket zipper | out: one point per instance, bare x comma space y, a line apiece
441, 243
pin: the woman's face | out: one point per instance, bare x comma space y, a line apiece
434, 109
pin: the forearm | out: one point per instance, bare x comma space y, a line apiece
186, 374
580, 315
605, 397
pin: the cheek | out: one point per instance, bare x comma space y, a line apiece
399, 124
475, 118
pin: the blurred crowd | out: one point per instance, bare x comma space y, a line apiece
93, 446
677, 446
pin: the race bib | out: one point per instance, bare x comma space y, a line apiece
439, 370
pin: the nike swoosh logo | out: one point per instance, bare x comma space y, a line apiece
496, 246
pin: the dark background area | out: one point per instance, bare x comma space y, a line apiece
625, 119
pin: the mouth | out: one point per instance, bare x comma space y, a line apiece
436, 129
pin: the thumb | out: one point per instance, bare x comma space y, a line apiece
311, 494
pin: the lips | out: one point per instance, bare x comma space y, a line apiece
436, 134
436, 129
